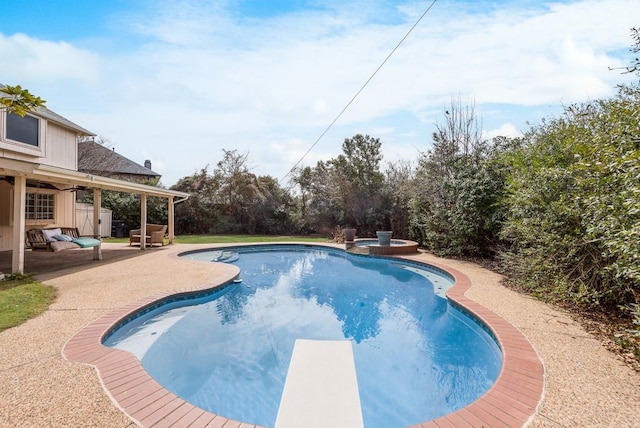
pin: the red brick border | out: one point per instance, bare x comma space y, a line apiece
511, 401
514, 397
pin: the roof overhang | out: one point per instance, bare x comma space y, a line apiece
74, 178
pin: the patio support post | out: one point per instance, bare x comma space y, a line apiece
170, 210
143, 221
97, 207
19, 212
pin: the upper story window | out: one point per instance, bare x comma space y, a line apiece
23, 134
24, 130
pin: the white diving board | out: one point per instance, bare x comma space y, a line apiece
321, 389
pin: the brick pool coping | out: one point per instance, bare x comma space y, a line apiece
511, 401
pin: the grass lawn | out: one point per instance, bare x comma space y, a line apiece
234, 239
231, 239
22, 298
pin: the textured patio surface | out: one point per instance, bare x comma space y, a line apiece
586, 385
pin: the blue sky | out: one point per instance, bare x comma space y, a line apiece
177, 81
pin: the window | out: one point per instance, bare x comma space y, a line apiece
23, 134
40, 206
23, 129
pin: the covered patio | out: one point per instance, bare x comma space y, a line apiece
51, 264
19, 172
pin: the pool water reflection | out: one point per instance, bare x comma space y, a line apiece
417, 357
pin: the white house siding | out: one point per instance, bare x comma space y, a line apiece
64, 214
62, 149
60, 145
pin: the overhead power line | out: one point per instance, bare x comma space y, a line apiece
360, 90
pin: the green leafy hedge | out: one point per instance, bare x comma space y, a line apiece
573, 199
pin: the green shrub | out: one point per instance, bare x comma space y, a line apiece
573, 205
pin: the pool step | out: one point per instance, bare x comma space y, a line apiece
321, 389
359, 250
225, 256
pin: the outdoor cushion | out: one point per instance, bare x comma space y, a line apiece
63, 238
63, 245
86, 242
50, 233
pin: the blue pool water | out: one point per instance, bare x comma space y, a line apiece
417, 357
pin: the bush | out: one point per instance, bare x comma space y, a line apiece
459, 184
573, 219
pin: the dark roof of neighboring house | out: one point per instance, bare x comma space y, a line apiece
55, 117
96, 158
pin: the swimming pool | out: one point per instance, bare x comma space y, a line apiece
417, 356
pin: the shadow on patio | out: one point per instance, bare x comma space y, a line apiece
55, 264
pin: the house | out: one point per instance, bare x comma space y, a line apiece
97, 159
39, 176
94, 158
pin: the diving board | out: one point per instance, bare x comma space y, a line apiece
321, 389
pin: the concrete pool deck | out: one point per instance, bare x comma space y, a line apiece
585, 384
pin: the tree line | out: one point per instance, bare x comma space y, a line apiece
559, 207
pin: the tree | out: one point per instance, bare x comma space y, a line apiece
635, 64
19, 101
344, 191
356, 184
198, 214
272, 207
458, 185
398, 189
233, 200
317, 210
236, 192
301, 215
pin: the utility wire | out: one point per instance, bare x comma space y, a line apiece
360, 90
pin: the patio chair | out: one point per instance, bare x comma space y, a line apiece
154, 235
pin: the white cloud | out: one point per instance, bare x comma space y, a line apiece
27, 58
204, 79
504, 130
